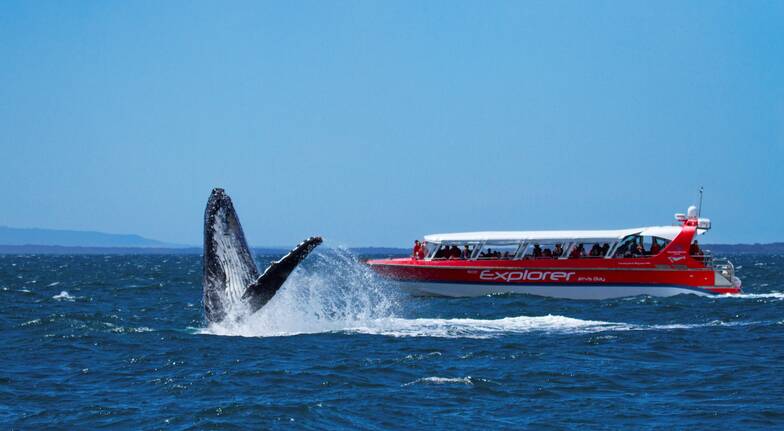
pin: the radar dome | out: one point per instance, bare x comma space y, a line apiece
692, 212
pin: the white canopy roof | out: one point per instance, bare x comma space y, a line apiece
666, 232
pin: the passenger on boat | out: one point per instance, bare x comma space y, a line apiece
417, 249
694, 249
422, 251
454, 252
547, 253
442, 253
596, 250
630, 249
558, 250
605, 249
639, 250
577, 252
655, 247
537, 251
466, 252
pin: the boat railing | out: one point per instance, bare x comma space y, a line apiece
719, 264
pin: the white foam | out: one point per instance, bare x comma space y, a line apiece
482, 328
435, 380
692, 325
31, 322
773, 295
64, 296
448, 328
121, 329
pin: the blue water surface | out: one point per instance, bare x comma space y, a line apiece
120, 342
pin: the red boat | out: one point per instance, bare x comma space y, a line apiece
591, 264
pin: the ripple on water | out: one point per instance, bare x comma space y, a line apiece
339, 350
64, 296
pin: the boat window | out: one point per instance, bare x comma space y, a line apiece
454, 250
654, 244
470, 250
544, 250
498, 250
636, 246
431, 249
628, 247
588, 249
441, 251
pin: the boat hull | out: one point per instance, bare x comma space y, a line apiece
604, 291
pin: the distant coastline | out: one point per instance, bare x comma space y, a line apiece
69, 250
718, 249
64, 242
13, 236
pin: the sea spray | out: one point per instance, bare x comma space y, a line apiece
333, 292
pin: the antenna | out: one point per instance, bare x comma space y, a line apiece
699, 207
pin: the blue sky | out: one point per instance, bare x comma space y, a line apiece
373, 123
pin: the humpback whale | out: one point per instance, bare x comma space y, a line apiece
231, 279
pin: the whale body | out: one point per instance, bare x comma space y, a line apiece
231, 280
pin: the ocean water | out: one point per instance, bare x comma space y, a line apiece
120, 342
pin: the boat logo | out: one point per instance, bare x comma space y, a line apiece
677, 258
510, 276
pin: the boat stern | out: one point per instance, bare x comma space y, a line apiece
725, 281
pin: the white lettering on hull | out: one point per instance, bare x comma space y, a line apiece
526, 275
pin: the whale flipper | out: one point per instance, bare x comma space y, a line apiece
268, 283
231, 278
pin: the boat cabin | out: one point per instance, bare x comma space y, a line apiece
589, 244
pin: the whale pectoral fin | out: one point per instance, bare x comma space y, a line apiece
264, 288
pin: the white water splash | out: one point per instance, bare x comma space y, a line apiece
64, 296
335, 292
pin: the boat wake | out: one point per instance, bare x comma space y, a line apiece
447, 328
482, 328
768, 295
